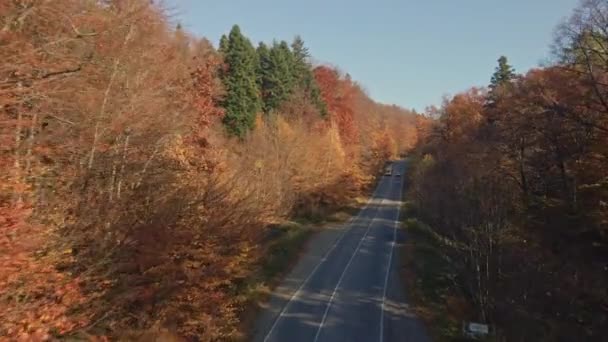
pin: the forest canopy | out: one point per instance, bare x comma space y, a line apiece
140, 166
514, 176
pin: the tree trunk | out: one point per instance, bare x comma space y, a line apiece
104, 102
122, 167
522, 171
17, 195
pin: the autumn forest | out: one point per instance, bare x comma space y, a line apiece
144, 170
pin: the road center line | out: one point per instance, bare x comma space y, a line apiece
323, 259
390, 259
331, 299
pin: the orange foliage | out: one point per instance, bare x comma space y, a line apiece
91, 102
121, 206
462, 114
338, 93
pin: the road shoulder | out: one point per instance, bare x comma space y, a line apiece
317, 247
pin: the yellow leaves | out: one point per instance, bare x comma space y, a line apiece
285, 131
259, 164
259, 122
176, 149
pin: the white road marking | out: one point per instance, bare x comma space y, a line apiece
390, 262
331, 299
323, 259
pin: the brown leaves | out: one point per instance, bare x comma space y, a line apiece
521, 174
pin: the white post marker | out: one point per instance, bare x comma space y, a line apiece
476, 330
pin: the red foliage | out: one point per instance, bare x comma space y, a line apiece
338, 92
203, 96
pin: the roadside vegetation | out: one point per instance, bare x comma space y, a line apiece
281, 251
429, 270
510, 190
142, 170
429, 277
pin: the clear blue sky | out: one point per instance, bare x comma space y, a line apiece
406, 52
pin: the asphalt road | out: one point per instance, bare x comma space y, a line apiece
352, 291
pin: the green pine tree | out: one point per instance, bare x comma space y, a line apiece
275, 74
223, 43
264, 66
503, 74
264, 72
282, 70
300, 52
304, 76
242, 100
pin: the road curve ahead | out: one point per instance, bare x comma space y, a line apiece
350, 289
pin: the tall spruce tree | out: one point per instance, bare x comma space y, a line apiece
304, 76
282, 70
300, 57
242, 100
264, 72
503, 74
275, 74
